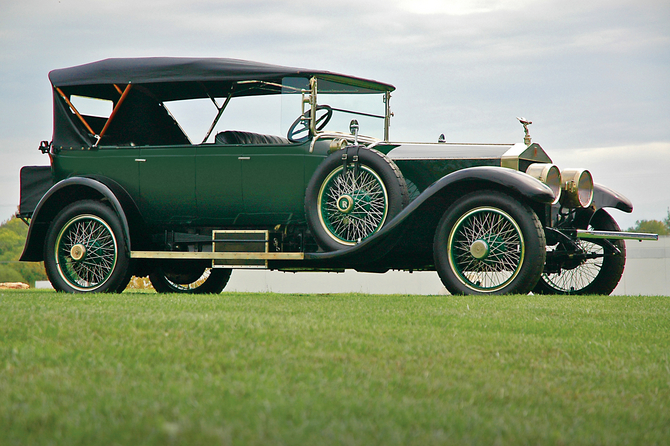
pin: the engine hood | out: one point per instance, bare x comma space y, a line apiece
422, 164
508, 155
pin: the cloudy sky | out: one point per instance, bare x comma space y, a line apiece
593, 76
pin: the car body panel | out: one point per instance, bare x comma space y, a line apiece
218, 173
273, 184
167, 184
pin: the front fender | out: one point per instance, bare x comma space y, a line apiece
511, 180
604, 197
432, 202
58, 196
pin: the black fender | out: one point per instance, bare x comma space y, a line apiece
483, 177
68, 191
604, 197
432, 202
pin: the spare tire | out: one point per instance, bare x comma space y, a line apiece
351, 195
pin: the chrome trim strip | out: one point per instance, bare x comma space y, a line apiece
615, 235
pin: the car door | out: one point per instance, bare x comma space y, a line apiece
219, 183
273, 183
167, 184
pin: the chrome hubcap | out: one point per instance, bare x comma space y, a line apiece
479, 249
77, 252
345, 204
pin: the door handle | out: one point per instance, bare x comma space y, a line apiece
243, 157
140, 160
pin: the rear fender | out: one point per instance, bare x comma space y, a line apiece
68, 191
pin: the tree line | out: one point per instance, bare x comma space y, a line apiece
660, 227
13, 233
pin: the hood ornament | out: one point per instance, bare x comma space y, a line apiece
525, 123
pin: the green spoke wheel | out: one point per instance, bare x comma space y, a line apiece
598, 272
487, 249
345, 203
85, 249
352, 206
489, 243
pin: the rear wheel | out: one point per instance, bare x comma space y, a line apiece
489, 243
598, 271
85, 249
190, 280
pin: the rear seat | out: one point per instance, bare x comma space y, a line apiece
239, 137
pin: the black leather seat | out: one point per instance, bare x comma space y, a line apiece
239, 137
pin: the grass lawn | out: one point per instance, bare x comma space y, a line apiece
258, 369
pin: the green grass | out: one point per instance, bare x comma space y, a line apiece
250, 369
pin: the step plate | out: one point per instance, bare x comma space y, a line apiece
236, 242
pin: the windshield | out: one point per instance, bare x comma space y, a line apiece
367, 109
347, 102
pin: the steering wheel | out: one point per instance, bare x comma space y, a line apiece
299, 130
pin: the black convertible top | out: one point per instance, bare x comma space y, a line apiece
172, 78
143, 85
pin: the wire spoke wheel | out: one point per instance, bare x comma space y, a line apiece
352, 194
486, 249
353, 204
87, 252
85, 249
488, 242
591, 269
576, 279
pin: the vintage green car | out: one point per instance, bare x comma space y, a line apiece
128, 193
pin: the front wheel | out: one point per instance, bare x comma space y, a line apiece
85, 249
190, 280
489, 243
597, 272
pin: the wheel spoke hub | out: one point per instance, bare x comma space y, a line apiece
345, 204
78, 252
479, 249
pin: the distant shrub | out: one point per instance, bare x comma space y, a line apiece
13, 233
654, 226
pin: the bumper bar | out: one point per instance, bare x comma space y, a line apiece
615, 235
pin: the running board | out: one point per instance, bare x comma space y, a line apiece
179, 255
232, 248
615, 235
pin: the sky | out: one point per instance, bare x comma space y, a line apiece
593, 76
